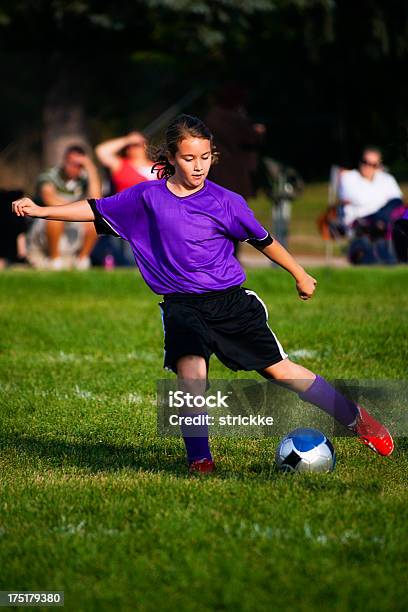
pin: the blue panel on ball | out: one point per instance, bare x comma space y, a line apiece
305, 439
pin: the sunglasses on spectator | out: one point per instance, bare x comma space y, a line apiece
370, 164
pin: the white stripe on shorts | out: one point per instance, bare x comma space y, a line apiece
281, 351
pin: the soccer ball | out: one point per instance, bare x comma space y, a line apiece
305, 450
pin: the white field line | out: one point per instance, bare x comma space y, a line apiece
63, 357
304, 354
80, 529
131, 397
269, 532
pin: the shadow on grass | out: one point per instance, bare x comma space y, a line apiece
96, 457
92, 456
149, 457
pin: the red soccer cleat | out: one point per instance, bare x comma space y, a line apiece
372, 433
202, 466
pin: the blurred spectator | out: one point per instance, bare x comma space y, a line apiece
75, 179
127, 160
369, 193
12, 231
237, 140
129, 164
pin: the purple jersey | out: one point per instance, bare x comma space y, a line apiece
181, 244
405, 215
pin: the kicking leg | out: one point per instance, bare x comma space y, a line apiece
316, 390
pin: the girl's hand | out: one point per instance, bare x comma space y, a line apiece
306, 286
26, 208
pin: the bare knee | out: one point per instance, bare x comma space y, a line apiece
191, 366
192, 374
290, 374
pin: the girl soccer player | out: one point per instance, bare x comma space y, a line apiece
182, 229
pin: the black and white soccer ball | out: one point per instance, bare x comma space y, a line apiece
305, 450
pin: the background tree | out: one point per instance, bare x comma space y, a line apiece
325, 76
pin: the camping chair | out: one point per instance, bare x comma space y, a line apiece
369, 241
330, 224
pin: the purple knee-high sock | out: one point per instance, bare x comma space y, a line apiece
196, 439
324, 396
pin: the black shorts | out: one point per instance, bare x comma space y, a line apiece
231, 323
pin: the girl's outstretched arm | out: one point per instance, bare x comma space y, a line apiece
77, 211
305, 284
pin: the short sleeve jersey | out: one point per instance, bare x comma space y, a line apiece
181, 244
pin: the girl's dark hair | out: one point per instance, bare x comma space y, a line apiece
182, 127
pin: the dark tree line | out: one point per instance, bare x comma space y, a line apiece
325, 76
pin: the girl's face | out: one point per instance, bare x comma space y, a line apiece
192, 161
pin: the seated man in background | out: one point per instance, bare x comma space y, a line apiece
76, 178
369, 194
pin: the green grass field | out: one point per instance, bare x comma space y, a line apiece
94, 503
